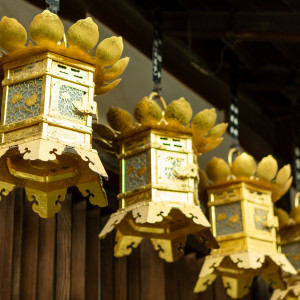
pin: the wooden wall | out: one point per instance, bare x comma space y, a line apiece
62, 258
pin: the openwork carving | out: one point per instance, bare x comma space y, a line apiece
136, 171
24, 100
160, 222
260, 219
66, 98
229, 218
46, 204
5, 189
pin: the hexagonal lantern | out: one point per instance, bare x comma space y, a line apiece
241, 213
158, 178
289, 241
47, 109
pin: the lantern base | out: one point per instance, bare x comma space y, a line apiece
46, 169
293, 289
238, 269
167, 225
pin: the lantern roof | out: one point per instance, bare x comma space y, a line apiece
243, 168
148, 114
47, 34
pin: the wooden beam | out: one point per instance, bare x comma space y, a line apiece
243, 26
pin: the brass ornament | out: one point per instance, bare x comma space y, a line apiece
243, 222
48, 106
159, 178
289, 242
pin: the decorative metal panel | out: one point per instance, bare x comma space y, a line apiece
136, 171
67, 96
24, 100
292, 252
260, 217
229, 218
167, 165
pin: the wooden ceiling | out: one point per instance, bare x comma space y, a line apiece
200, 40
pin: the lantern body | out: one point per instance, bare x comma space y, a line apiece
41, 96
289, 241
46, 120
153, 164
158, 199
243, 218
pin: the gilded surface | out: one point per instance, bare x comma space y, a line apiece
166, 226
27, 71
24, 100
46, 204
167, 165
228, 218
172, 197
20, 133
292, 252
136, 171
138, 198
260, 219
5, 188
69, 72
237, 287
125, 243
66, 98
94, 191
169, 250
64, 134
48, 168
293, 289
238, 270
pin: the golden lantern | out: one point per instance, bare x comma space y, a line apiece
48, 105
241, 212
289, 241
159, 174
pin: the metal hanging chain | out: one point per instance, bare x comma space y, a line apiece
234, 108
157, 50
53, 5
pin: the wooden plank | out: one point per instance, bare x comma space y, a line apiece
120, 278
6, 242
219, 290
92, 253
17, 247
250, 26
171, 280
188, 273
46, 259
133, 275
152, 273
29, 252
78, 250
107, 265
63, 250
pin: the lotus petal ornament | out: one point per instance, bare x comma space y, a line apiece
12, 34
46, 27
84, 34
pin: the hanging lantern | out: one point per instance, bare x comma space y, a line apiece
241, 213
48, 105
159, 174
289, 241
